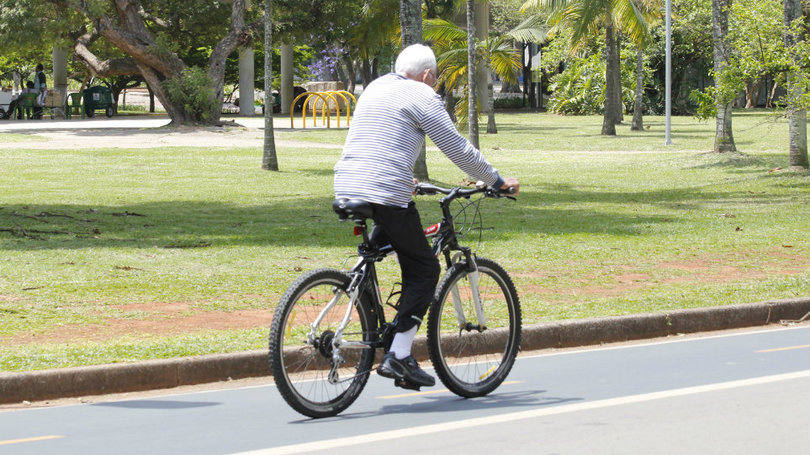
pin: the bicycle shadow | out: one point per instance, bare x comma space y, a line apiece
449, 403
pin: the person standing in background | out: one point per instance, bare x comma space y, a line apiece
41, 89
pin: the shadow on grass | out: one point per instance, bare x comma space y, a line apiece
296, 222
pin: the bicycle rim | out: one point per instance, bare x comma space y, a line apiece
302, 368
468, 361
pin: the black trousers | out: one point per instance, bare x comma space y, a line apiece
420, 268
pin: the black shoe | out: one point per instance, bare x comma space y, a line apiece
404, 370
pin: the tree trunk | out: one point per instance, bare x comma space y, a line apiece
798, 117
638, 118
366, 72
151, 100
772, 94
481, 16
724, 138
269, 158
472, 88
492, 128
752, 91
618, 96
116, 94
450, 104
351, 74
410, 17
608, 123
375, 68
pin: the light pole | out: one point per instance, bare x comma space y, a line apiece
668, 78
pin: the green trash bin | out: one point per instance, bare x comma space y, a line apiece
96, 98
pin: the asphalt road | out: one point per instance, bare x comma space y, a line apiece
737, 393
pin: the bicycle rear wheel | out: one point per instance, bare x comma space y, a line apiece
472, 362
301, 359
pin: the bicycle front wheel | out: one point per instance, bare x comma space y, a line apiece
473, 349
304, 326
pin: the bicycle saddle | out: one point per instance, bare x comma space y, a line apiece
352, 208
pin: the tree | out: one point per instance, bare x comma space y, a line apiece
153, 35
638, 119
269, 158
410, 17
450, 42
472, 87
795, 30
588, 17
652, 10
724, 138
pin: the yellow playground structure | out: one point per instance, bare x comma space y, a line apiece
328, 100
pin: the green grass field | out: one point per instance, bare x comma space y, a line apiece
115, 255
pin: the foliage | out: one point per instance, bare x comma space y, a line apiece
192, 89
450, 42
705, 102
585, 18
512, 102
580, 88
756, 36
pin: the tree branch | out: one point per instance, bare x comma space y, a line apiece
151, 17
102, 68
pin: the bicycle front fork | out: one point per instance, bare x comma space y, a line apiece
475, 279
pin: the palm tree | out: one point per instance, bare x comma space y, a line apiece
269, 158
450, 42
410, 17
798, 117
586, 18
723, 138
652, 11
472, 80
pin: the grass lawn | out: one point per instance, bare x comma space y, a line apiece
755, 131
114, 255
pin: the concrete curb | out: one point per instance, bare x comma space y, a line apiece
158, 374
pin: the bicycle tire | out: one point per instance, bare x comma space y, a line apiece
498, 346
283, 333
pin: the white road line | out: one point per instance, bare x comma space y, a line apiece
513, 416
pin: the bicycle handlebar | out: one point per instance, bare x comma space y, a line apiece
457, 192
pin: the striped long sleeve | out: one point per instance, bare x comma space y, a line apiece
385, 138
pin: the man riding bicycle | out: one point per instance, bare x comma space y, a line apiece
385, 138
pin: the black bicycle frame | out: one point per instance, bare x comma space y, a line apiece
364, 273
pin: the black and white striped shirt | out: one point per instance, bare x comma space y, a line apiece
386, 135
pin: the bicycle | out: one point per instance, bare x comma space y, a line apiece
330, 323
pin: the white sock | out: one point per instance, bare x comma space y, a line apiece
401, 346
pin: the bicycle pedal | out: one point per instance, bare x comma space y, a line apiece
405, 384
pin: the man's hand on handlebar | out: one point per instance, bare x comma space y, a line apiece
511, 185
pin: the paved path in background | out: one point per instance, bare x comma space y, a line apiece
145, 132
735, 393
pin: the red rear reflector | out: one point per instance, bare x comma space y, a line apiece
358, 230
433, 229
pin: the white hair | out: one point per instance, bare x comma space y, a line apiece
415, 59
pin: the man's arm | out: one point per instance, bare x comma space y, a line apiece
440, 128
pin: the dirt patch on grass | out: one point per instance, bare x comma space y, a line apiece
177, 318
158, 322
727, 268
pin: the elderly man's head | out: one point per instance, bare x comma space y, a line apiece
418, 62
